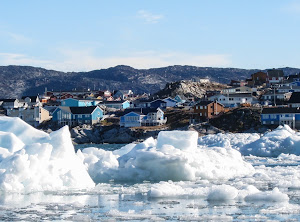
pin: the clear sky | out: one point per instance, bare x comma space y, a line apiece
72, 35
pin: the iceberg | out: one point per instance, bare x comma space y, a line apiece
32, 160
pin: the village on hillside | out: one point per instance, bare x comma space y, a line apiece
276, 96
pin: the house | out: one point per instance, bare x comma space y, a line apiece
116, 104
105, 93
208, 109
32, 115
158, 103
242, 89
32, 100
12, 103
170, 102
257, 79
78, 102
293, 78
294, 101
274, 76
123, 94
281, 115
73, 116
237, 83
294, 83
286, 89
233, 100
143, 117
270, 96
180, 99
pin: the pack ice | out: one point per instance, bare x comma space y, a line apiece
282, 140
31, 160
175, 155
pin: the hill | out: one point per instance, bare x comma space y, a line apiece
27, 80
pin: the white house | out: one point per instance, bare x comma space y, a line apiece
231, 100
143, 117
242, 89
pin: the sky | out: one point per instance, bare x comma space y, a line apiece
73, 35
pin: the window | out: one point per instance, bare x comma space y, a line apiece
264, 122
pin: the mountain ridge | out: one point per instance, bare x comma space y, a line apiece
28, 80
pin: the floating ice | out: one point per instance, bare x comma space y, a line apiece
271, 196
32, 160
174, 156
274, 143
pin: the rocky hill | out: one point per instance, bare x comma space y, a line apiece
189, 89
26, 80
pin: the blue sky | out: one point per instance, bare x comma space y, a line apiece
71, 35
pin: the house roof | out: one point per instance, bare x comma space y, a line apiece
295, 98
79, 110
280, 110
32, 98
158, 100
8, 100
124, 91
204, 103
170, 99
113, 102
275, 73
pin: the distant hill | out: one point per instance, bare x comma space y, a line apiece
27, 80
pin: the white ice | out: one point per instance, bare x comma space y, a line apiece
32, 160
177, 164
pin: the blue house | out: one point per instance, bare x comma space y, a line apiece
180, 99
73, 116
158, 103
170, 102
116, 104
281, 116
143, 117
78, 102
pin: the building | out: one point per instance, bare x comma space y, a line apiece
73, 116
123, 94
242, 89
32, 100
170, 102
158, 103
237, 83
281, 115
294, 101
257, 79
274, 76
12, 103
78, 102
143, 117
116, 104
276, 97
208, 109
290, 88
233, 100
31, 115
